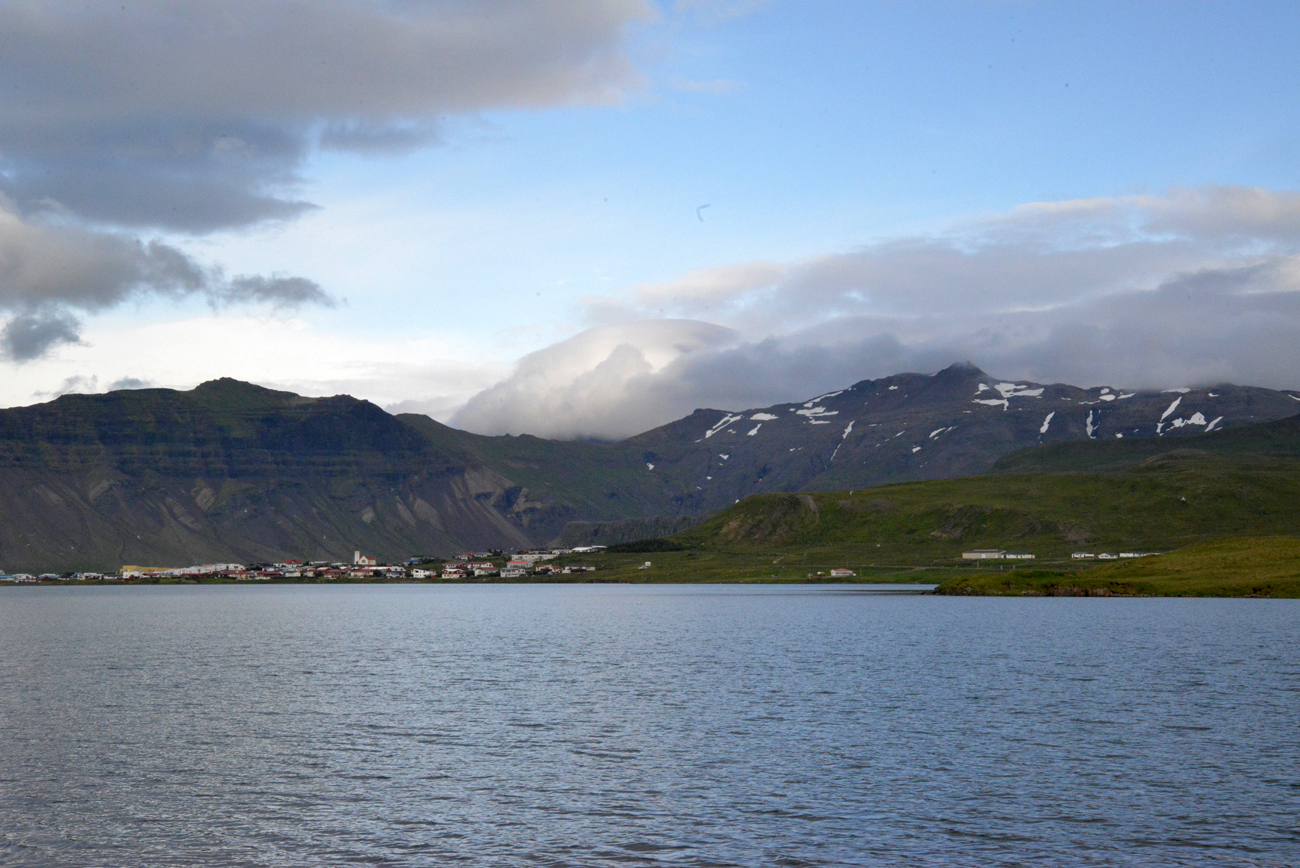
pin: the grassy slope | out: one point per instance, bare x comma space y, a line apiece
1169, 499
1171, 504
1249, 567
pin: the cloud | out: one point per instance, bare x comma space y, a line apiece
27, 337
79, 384
74, 385
198, 116
278, 290
129, 383
1039, 256
173, 116
48, 269
609, 382
1192, 286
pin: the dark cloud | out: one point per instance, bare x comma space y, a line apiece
177, 174
197, 116
49, 269
28, 336
1191, 287
283, 292
382, 139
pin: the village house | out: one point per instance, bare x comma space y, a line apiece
984, 555
996, 555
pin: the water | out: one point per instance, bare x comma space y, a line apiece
628, 726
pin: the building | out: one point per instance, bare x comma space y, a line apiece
984, 555
1083, 556
842, 574
360, 560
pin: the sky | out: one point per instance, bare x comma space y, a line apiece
587, 218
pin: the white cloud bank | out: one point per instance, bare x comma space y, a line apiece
608, 381
1191, 286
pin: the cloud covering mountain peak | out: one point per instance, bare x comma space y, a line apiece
1193, 285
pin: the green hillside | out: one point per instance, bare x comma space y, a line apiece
1246, 485
1250, 567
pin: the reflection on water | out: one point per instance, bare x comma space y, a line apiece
644, 725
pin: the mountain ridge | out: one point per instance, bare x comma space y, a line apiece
234, 471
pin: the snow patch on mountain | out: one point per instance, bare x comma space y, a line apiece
726, 420
1172, 407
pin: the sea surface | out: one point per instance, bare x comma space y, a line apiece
598, 725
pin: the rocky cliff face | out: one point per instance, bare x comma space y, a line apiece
231, 471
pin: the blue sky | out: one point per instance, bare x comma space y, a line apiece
819, 136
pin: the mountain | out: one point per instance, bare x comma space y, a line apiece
1243, 483
233, 471
957, 422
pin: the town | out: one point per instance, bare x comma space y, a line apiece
464, 566
530, 565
